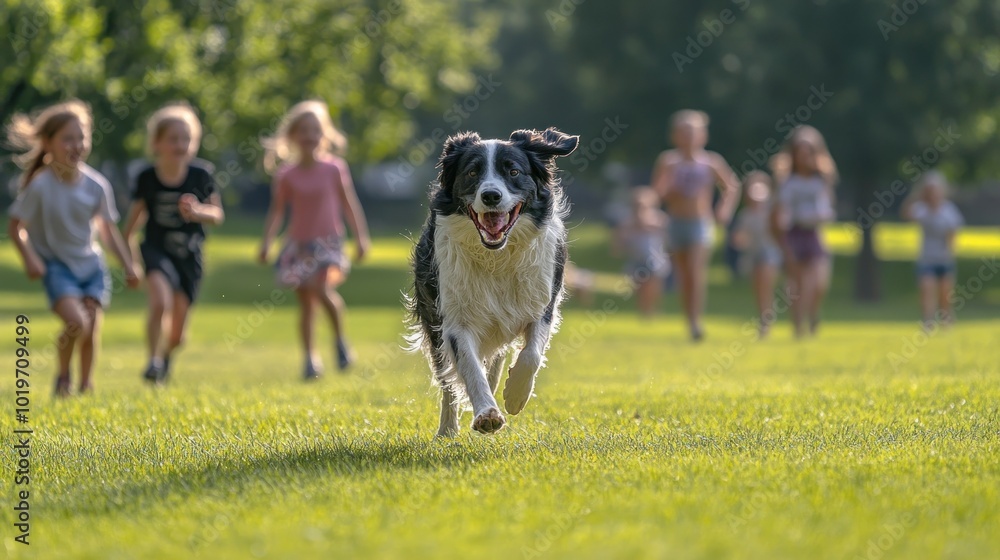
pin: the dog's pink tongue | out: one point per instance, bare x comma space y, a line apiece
494, 222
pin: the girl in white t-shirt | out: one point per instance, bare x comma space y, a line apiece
939, 220
805, 175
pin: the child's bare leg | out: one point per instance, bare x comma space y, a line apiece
77, 325
794, 290
764, 276
649, 295
945, 287
327, 281
307, 306
178, 322
928, 294
160, 312
820, 271
90, 342
699, 285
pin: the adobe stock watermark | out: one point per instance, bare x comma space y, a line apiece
563, 11
696, 44
898, 16
759, 157
750, 507
24, 31
724, 360
542, 541
889, 535
886, 198
587, 153
429, 146
959, 297
375, 26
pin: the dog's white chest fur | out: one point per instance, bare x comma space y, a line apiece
494, 294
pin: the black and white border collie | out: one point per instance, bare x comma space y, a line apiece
488, 270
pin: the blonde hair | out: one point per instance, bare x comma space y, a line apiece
689, 116
783, 163
28, 135
280, 148
928, 178
174, 113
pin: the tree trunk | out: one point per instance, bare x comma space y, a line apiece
867, 287
866, 272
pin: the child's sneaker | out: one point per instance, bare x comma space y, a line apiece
164, 373
312, 371
153, 371
344, 358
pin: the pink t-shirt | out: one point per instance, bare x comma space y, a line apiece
314, 194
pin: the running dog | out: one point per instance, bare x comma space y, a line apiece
488, 271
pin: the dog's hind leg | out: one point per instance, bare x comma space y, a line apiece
494, 369
450, 412
448, 427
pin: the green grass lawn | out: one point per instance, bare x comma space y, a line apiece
870, 441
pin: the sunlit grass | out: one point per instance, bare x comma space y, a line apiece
638, 444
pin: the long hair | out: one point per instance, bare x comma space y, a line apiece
28, 135
783, 163
280, 148
173, 113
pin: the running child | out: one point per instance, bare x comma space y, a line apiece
642, 237
761, 256
62, 206
316, 183
939, 221
174, 199
686, 177
806, 175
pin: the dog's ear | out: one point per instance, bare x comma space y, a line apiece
548, 144
454, 147
542, 148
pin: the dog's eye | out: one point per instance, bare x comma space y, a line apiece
514, 172
472, 173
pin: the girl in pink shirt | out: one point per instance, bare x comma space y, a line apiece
316, 183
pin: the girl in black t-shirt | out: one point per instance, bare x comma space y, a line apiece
174, 198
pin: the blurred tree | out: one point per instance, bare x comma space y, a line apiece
376, 62
896, 87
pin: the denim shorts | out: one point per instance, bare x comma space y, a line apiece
684, 233
938, 271
60, 282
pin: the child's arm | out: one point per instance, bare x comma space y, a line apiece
33, 264
661, 181
906, 210
114, 240
209, 212
274, 219
355, 214
725, 176
137, 216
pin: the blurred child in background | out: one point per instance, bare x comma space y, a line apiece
174, 198
685, 177
939, 220
316, 183
63, 203
806, 175
760, 254
642, 238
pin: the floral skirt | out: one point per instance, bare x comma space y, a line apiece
299, 261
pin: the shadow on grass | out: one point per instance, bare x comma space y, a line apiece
284, 472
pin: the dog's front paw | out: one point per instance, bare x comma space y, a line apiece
517, 389
489, 421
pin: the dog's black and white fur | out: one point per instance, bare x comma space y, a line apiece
488, 270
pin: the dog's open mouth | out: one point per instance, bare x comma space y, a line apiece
494, 226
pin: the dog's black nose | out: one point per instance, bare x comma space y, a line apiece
491, 197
